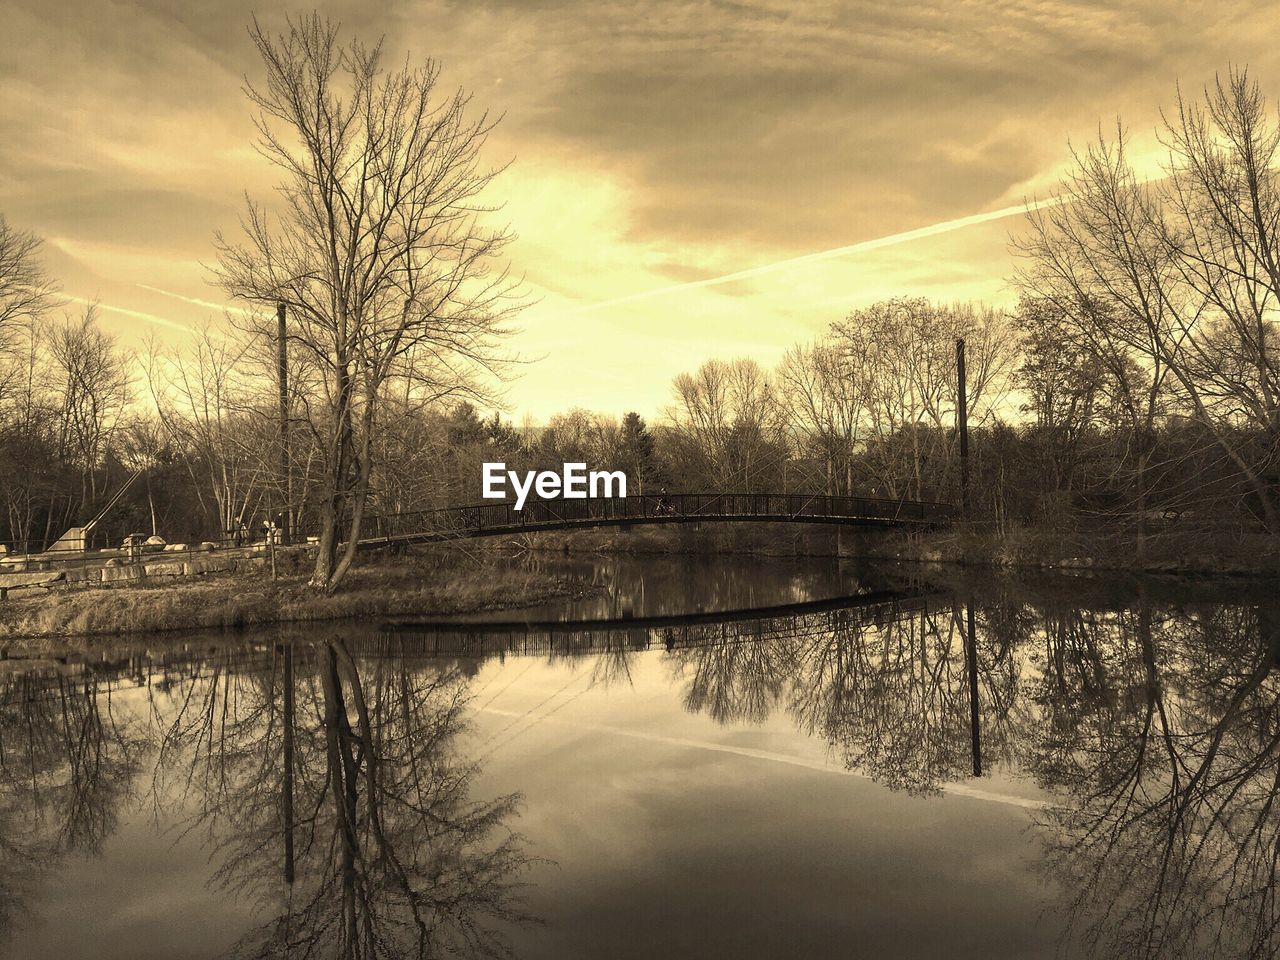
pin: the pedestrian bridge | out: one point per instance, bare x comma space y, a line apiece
813, 620
502, 519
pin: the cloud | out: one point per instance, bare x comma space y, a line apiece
967, 790
671, 141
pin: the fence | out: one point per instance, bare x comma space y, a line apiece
479, 519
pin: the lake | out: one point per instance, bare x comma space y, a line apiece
709, 757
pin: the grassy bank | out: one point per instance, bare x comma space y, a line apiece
425, 583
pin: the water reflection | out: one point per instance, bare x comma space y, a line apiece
884, 677
66, 765
1160, 742
328, 781
327, 792
1152, 728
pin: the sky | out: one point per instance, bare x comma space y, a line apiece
653, 145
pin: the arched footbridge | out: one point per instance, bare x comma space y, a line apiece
503, 519
814, 619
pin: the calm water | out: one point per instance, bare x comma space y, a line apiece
1095, 775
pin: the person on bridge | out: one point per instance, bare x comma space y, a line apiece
664, 505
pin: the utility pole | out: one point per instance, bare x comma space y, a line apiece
282, 370
971, 667
962, 426
286, 796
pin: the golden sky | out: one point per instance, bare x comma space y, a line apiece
655, 144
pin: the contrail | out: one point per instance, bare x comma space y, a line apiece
933, 230
955, 789
893, 240
136, 314
192, 300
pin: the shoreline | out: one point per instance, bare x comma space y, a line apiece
422, 585
435, 581
1024, 549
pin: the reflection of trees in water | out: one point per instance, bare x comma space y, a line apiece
687, 582
66, 763
733, 679
612, 662
364, 843
1163, 748
389, 855
1154, 730
894, 701
891, 696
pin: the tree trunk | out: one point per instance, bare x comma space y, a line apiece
151, 502
1140, 479
359, 498
337, 484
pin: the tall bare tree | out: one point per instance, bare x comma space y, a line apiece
727, 418
1174, 282
93, 380
26, 292
823, 397
379, 248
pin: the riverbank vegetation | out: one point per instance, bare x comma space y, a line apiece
1172, 550
426, 582
1124, 409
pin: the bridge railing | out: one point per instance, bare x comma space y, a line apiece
475, 518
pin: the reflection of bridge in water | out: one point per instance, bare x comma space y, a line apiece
816, 618
503, 519
424, 641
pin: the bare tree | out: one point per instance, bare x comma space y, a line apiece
823, 398
1174, 283
379, 251
25, 288
902, 351
1097, 259
195, 394
1063, 385
26, 292
727, 416
92, 382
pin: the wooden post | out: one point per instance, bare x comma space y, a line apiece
962, 426
282, 371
